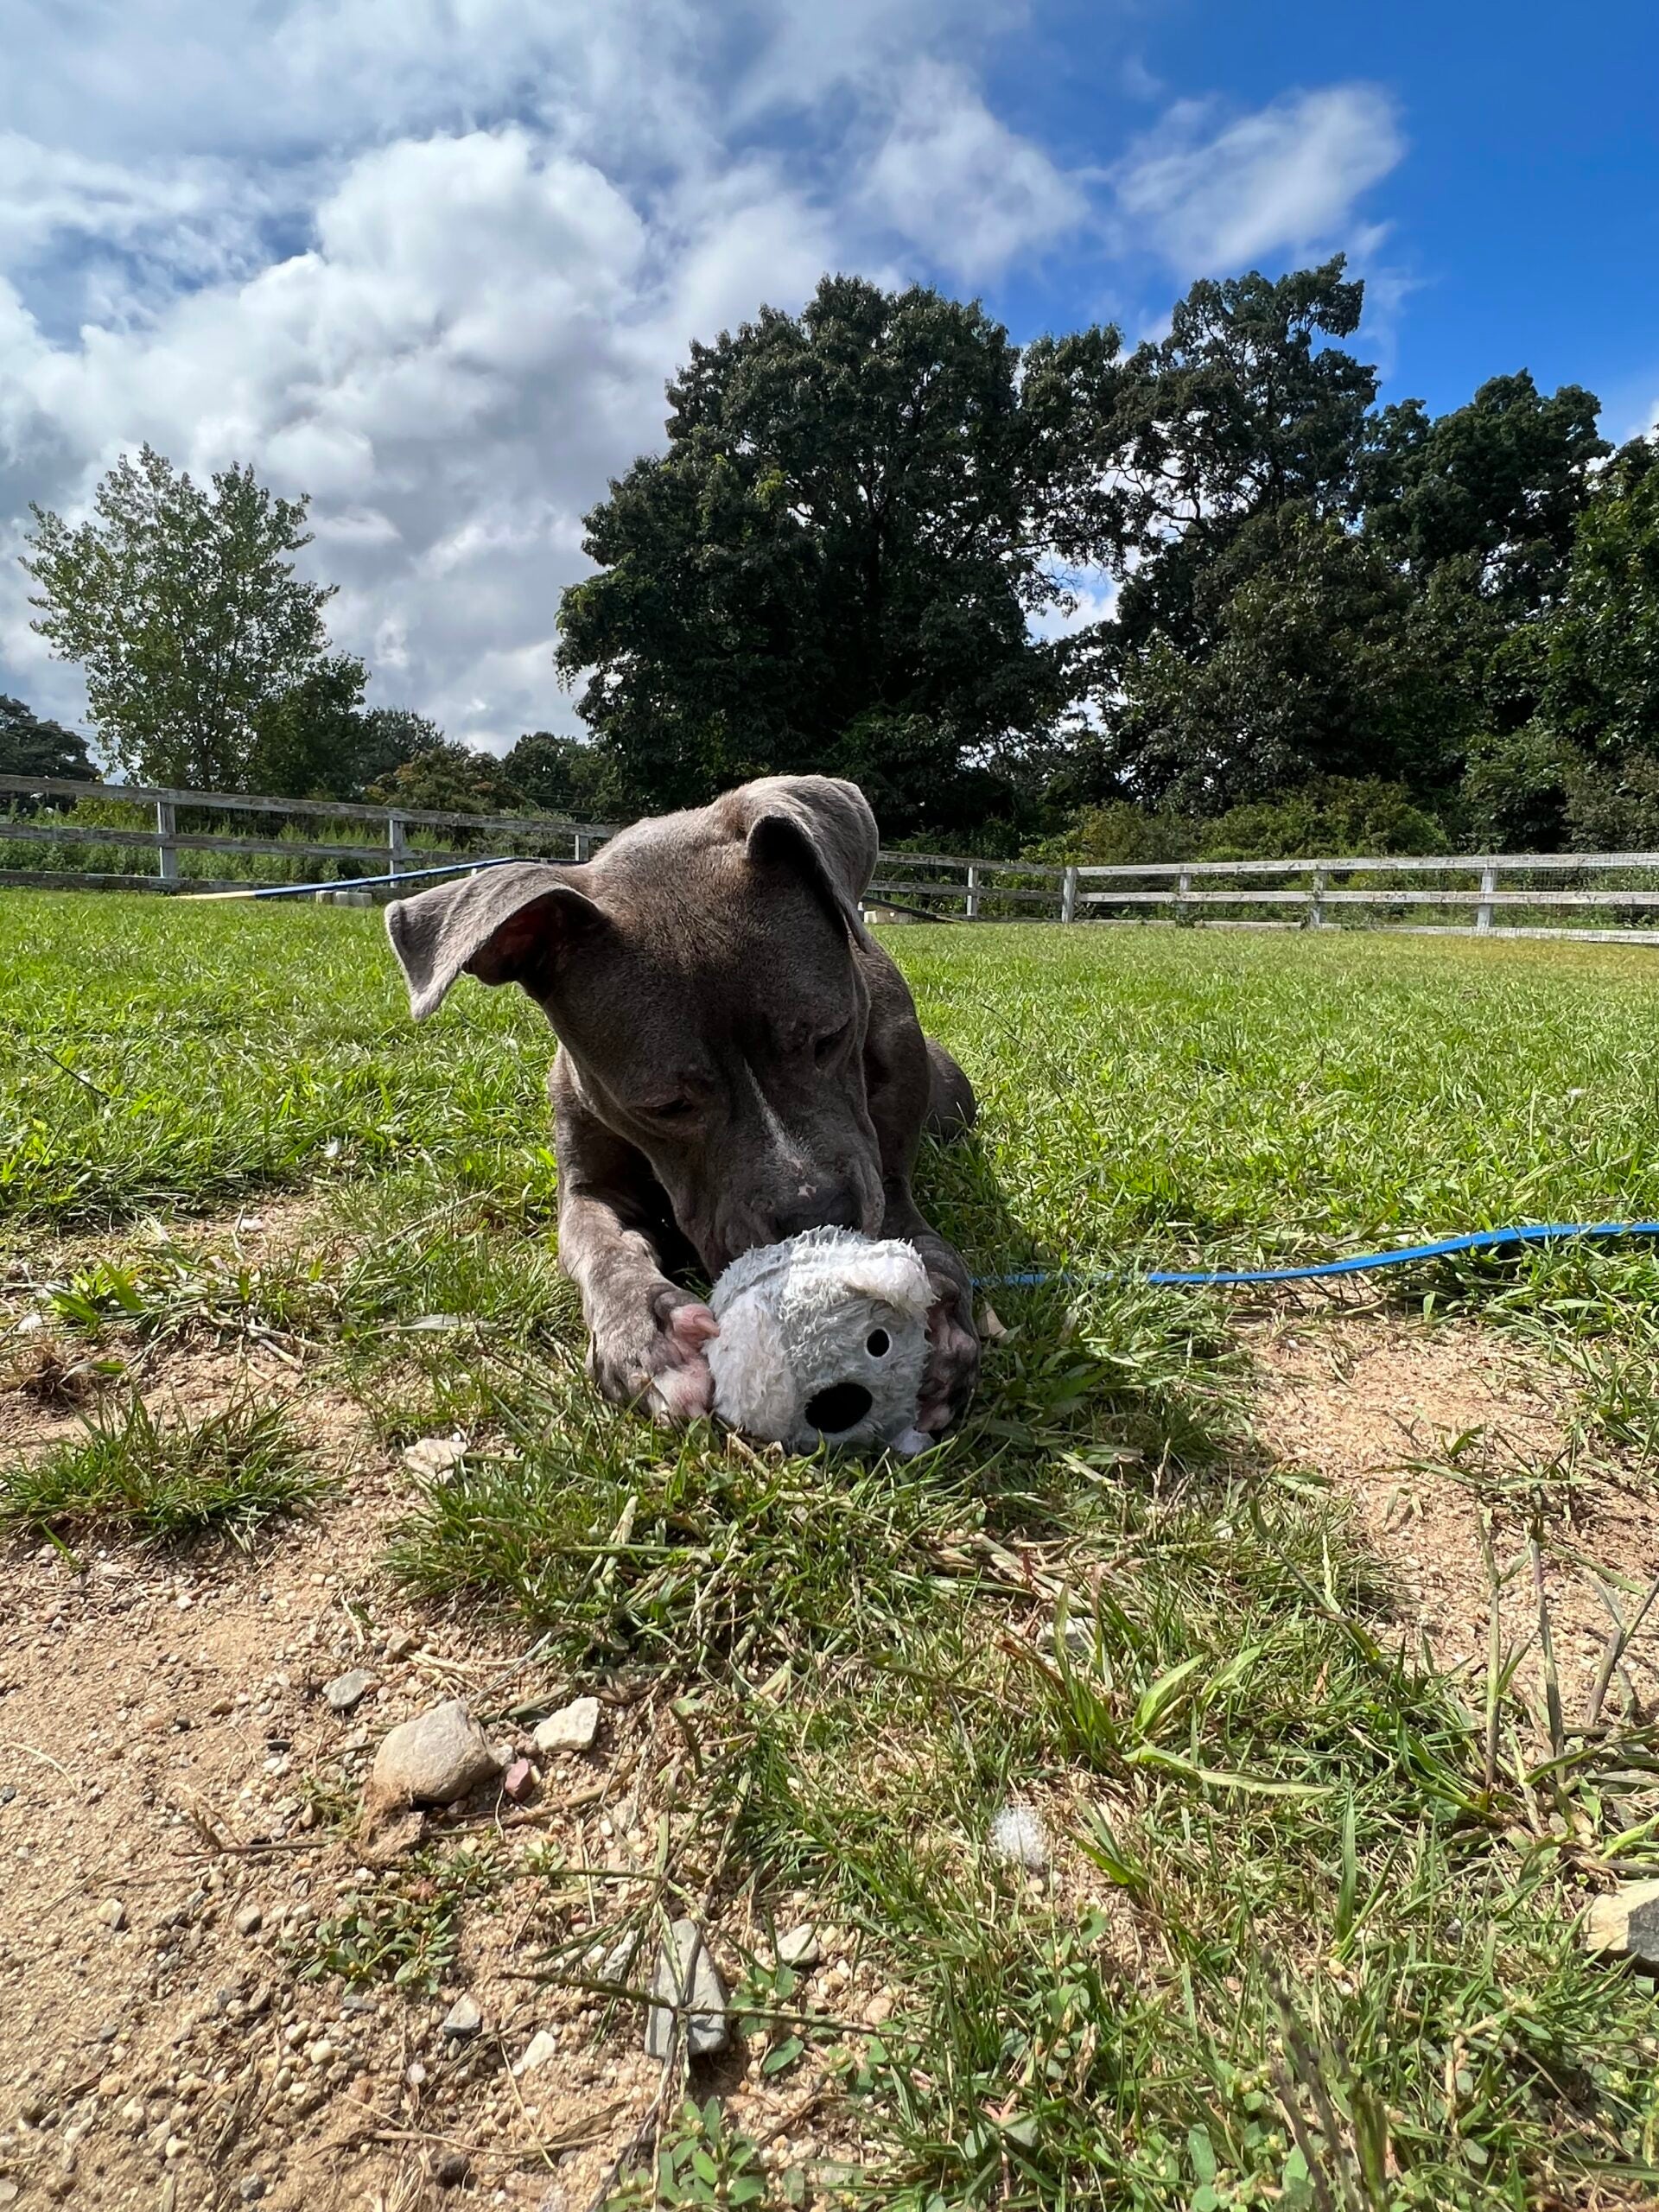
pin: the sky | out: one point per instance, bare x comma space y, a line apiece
431, 261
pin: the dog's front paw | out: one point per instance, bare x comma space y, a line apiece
952, 1368
655, 1360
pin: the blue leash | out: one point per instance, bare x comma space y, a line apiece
1482, 1240
356, 882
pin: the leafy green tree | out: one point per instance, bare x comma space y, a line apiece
307, 741
182, 605
1333, 814
1497, 484
449, 778
1312, 666
1245, 409
30, 746
833, 565
572, 777
1601, 683
385, 738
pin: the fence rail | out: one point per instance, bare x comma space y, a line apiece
1305, 893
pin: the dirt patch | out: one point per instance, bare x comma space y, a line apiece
175, 1793
1423, 1427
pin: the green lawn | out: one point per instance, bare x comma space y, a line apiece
1315, 1944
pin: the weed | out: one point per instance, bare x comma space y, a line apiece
227, 1473
403, 1926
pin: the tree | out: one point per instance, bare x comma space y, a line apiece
569, 776
1241, 411
1313, 664
184, 609
308, 741
1601, 681
449, 778
32, 746
834, 564
1498, 484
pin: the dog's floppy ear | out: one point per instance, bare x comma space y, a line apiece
500, 926
821, 824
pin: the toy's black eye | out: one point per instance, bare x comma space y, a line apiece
878, 1343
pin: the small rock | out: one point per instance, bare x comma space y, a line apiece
462, 2020
434, 1458
113, 1914
800, 1946
220, 1707
572, 1728
7, 2192
452, 2169
249, 1920
250, 2188
434, 1759
1019, 1837
1077, 1638
687, 1981
349, 1690
618, 1961
519, 1781
400, 1644
540, 2048
1625, 1923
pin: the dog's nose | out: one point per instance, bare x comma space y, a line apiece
833, 1205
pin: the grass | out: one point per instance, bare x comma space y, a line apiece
133, 1474
1311, 1940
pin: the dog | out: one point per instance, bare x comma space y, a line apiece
738, 1060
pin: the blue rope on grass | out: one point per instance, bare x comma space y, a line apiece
1482, 1240
356, 882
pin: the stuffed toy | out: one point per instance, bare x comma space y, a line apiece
822, 1339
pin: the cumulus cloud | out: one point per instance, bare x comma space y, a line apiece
432, 260
963, 186
1211, 197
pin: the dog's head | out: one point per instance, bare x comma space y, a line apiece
699, 975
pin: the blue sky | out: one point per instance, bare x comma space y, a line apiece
431, 260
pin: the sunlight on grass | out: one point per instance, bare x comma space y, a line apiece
1310, 1936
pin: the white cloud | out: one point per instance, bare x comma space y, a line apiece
433, 260
1284, 179
963, 186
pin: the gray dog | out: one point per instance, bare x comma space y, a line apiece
738, 1060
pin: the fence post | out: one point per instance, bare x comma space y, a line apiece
1316, 904
1069, 895
581, 847
973, 893
167, 853
1183, 885
396, 846
1483, 912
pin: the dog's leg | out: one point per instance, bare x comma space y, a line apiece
952, 1367
646, 1335
952, 1108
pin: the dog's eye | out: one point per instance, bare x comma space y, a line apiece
668, 1109
878, 1343
825, 1048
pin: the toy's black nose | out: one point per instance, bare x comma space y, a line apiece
841, 1406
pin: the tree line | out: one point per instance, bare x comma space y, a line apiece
868, 547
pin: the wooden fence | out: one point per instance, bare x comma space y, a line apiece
1487, 894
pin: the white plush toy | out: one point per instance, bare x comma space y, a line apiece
822, 1339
